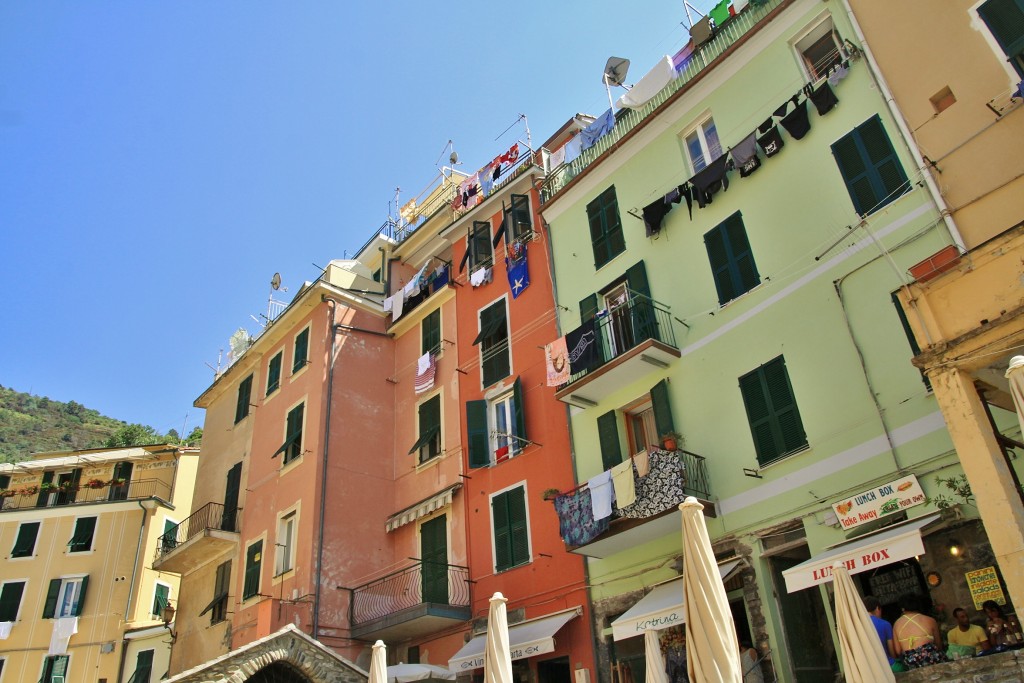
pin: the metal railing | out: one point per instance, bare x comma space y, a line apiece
628, 119
419, 584
625, 327
695, 473
35, 496
210, 516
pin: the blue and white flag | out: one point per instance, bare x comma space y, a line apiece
518, 272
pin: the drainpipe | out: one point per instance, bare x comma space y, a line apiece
322, 513
120, 664
901, 123
135, 565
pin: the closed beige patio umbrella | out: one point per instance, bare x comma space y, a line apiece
1015, 375
712, 651
379, 663
655, 662
864, 660
497, 654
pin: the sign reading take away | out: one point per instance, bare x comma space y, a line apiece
878, 502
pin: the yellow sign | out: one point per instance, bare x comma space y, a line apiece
984, 585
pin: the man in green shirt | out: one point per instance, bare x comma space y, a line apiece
966, 639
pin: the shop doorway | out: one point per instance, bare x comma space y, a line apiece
893, 581
554, 671
812, 655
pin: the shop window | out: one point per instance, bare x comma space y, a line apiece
606, 236
772, 411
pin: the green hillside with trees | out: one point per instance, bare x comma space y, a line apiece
33, 424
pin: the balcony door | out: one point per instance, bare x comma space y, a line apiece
434, 559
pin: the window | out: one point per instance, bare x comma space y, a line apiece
518, 223
66, 485
479, 248
605, 227
81, 540
65, 597
493, 341
5, 481
496, 429
25, 544
292, 446
253, 562
772, 412
169, 539
430, 333
1005, 19
301, 355
55, 669
732, 261
274, 372
10, 600
702, 144
218, 607
511, 535
429, 442
122, 472
870, 168
143, 667
820, 49
161, 598
285, 544
647, 420
244, 396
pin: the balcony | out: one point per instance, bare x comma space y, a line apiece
696, 65
36, 496
208, 532
415, 601
633, 339
625, 532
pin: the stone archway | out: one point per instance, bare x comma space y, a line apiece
278, 672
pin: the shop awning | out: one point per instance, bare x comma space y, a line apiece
867, 552
422, 508
526, 639
661, 608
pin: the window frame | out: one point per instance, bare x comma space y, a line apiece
157, 585
17, 537
284, 553
513, 562
512, 224
21, 598
277, 360
244, 398
46, 673
779, 449
1013, 65
603, 231
482, 427
816, 32
430, 333
429, 438
218, 606
298, 365
294, 443
699, 129
92, 536
491, 344
257, 572
478, 245
75, 608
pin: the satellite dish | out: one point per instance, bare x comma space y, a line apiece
615, 70
275, 282
454, 158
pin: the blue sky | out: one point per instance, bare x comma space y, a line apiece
159, 161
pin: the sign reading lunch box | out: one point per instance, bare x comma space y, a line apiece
878, 502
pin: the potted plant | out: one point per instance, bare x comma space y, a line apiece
29, 490
8, 493
551, 494
116, 482
47, 487
95, 483
670, 441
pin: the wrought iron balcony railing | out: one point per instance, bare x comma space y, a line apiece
37, 496
627, 326
422, 583
210, 516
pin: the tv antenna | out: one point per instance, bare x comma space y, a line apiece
273, 305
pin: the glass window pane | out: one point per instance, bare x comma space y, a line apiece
711, 140
693, 146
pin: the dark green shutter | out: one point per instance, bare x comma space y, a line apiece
231, 488
502, 532
494, 348
518, 531
10, 600
430, 427
605, 227
143, 667
434, 560
253, 562
26, 541
160, 599
293, 440
44, 496
519, 222
85, 529
718, 256
431, 333
645, 325
77, 611
1005, 18
775, 423
476, 434
780, 393
480, 244
744, 269
731, 259
588, 308
662, 408
244, 396
854, 170
274, 373
52, 595
518, 416
608, 434
869, 165
301, 350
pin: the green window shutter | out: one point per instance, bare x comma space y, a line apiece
1005, 18
10, 600
502, 532
868, 163
772, 411
645, 324
662, 408
476, 434
274, 373
143, 667
480, 253
731, 259
430, 330
755, 400
789, 426
494, 348
52, 595
77, 611
253, 562
160, 599
605, 227
293, 439
26, 541
518, 416
588, 308
520, 222
85, 529
232, 485
608, 434
518, 531
301, 350
44, 496
244, 396
718, 256
434, 560
430, 428
636, 280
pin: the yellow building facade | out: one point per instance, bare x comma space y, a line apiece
79, 599
959, 99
